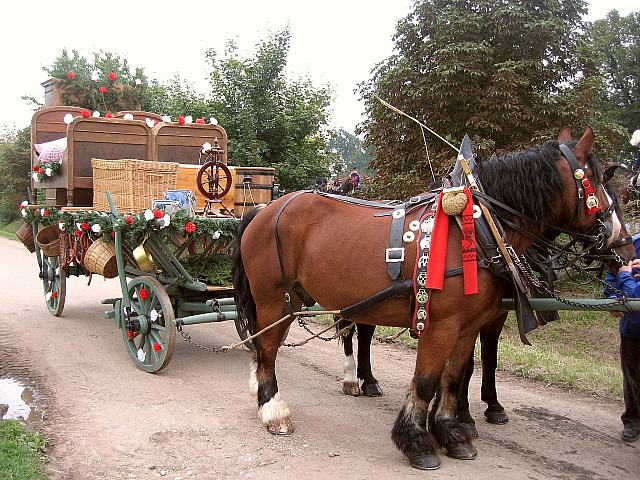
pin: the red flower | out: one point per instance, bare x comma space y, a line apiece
86, 113
54, 295
143, 294
112, 76
108, 115
46, 213
200, 121
78, 233
158, 213
190, 227
128, 219
35, 168
84, 226
181, 119
40, 170
102, 89
113, 234
156, 347
130, 334
71, 75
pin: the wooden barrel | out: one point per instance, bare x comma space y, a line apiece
253, 186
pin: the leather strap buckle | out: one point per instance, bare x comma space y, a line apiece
394, 255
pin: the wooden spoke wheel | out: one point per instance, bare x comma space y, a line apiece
242, 326
149, 331
214, 180
54, 283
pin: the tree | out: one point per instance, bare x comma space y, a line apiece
503, 71
271, 120
350, 152
15, 163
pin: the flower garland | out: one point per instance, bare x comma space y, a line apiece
43, 171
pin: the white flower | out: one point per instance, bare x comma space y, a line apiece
166, 220
68, 118
150, 122
61, 226
24, 204
47, 296
138, 81
206, 146
48, 172
141, 355
79, 226
96, 228
188, 119
148, 215
34, 175
216, 234
24, 213
128, 116
213, 120
96, 114
154, 315
166, 118
42, 211
95, 76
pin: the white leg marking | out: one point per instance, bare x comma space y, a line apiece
350, 375
253, 380
274, 409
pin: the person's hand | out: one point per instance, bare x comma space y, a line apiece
626, 268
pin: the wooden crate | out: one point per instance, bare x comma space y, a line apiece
133, 184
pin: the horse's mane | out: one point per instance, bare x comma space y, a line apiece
512, 178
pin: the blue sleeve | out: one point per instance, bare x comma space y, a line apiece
628, 285
610, 279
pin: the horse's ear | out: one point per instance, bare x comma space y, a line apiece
609, 171
565, 135
584, 145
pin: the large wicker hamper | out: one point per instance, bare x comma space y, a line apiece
133, 184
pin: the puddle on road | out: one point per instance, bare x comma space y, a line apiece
20, 401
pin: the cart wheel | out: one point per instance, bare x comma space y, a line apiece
242, 326
54, 283
149, 331
214, 180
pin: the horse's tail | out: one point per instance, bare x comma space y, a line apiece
245, 305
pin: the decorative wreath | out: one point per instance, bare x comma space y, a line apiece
42, 172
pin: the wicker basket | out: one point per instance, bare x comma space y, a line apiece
100, 258
25, 235
133, 184
48, 239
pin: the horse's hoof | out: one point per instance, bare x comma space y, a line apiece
424, 461
351, 388
371, 390
498, 417
281, 427
461, 451
471, 429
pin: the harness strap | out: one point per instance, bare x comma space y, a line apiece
395, 253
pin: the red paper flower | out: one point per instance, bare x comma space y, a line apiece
35, 168
130, 334
113, 234
54, 295
108, 115
181, 119
200, 121
190, 227
157, 213
84, 226
156, 347
128, 219
71, 75
112, 76
86, 113
46, 213
78, 232
102, 89
143, 294
40, 170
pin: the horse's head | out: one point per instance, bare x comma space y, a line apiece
593, 208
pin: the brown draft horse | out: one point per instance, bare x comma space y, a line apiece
282, 246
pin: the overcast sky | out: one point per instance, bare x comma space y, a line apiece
333, 41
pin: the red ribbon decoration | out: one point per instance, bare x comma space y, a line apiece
438, 253
590, 191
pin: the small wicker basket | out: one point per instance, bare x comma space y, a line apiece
48, 239
100, 258
25, 235
133, 184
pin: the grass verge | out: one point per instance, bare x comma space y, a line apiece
22, 453
8, 230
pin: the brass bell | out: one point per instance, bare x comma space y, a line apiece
143, 259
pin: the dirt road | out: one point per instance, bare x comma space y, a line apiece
108, 420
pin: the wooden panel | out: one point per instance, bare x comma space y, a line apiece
253, 186
140, 115
182, 143
187, 179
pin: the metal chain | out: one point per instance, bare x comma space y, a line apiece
187, 338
